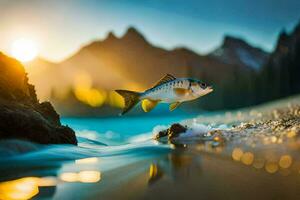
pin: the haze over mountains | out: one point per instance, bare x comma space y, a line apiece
131, 62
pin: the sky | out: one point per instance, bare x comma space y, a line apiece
60, 28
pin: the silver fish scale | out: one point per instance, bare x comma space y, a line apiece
165, 91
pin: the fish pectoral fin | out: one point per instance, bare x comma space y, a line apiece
181, 91
173, 106
148, 105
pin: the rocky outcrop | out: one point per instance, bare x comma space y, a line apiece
267, 126
22, 116
172, 132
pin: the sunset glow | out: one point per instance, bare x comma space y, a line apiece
24, 50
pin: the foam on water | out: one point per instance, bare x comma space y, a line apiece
195, 129
200, 130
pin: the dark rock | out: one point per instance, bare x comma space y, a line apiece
161, 134
171, 132
21, 114
175, 130
47, 111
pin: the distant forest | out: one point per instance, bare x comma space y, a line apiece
277, 78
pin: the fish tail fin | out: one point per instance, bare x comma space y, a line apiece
131, 98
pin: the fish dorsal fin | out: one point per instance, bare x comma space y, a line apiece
148, 105
165, 79
173, 106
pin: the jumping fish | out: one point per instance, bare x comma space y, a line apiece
167, 90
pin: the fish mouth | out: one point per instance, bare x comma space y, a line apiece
209, 89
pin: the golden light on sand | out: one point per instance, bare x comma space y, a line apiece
247, 158
258, 163
24, 50
271, 167
291, 134
237, 153
285, 161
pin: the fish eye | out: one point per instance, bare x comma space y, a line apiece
203, 85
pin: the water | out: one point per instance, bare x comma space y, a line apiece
116, 158
119, 130
104, 144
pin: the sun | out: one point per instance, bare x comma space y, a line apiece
24, 49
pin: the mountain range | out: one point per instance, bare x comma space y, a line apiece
235, 51
131, 62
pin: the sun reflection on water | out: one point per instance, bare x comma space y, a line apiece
82, 176
152, 170
87, 160
24, 188
28, 187
69, 177
89, 176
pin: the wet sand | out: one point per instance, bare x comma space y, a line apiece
255, 160
194, 175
